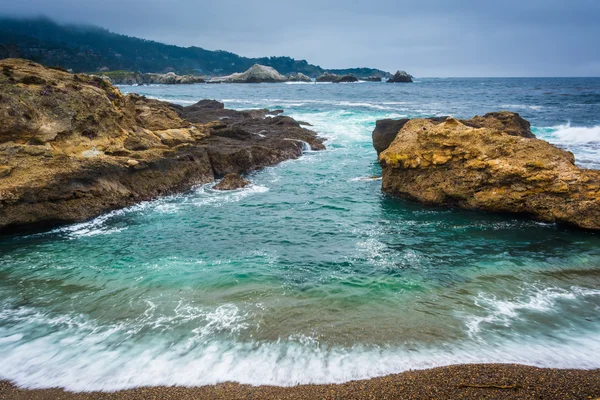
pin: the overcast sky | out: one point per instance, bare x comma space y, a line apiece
425, 37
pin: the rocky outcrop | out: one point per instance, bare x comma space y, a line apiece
327, 77
333, 78
73, 147
256, 74
507, 122
137, 78
299, 77
171, 78
372, 79
400, 76
346, 79
231, 182
493, 166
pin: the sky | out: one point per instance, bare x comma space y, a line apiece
427, 38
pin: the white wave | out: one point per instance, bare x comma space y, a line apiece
299, 83
575, 135
523, 106
365, 178
89, 360
507, 311
172, 100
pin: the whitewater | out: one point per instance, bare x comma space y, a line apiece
310, 274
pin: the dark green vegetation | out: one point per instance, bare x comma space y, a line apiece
90, 48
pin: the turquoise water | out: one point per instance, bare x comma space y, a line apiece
311, 274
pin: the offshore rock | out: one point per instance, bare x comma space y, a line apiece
73, 146
346, 79
502, 121
299, 77
400, 76
372, 79
231, 182
488, 168
256, 74
327, 77
137, 78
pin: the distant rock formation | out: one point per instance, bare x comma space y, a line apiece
327, 77
73, 146
299, 77
372, 79
490, 163
137, 78
256, 74
333, 78
231, 181
400, 76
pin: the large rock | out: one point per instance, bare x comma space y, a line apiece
256, 74
299, 77
372, 79
73, 147
503, 121
346, 79
327, 77
170, 78
490, 168
400, 76
232, 182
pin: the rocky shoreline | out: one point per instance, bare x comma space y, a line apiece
492, 163
73, 147
469, 381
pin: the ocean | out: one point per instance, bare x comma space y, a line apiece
311, 274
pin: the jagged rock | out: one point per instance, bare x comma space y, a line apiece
400, 76
299, 77
256, 74
492, 168
503, 121
231, 182
73, 146
372, 79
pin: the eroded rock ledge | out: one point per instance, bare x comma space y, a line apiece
491, 163
73, 147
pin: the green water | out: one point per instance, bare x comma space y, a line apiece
311, 274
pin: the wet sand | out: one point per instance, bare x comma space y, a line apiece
471, 381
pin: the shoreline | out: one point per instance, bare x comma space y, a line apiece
467, 381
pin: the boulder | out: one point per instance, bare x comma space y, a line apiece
327, 77
372, 79
299, 77
73, 146
346, 79
503, 121
231, 182
491, 167
400, 76
256, 74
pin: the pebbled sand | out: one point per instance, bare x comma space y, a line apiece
512, 381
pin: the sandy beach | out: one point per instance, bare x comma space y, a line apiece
471, 381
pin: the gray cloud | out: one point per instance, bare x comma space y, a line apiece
425, 37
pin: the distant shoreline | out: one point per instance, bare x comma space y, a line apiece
468, 381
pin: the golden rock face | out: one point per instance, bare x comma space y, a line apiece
491, 167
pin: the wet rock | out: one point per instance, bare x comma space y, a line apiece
231, 182
493, 165
372, 79
346, 79
327, 77
400, 76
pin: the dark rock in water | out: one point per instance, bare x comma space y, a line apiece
63, 161
491, 163
372, 79
327, 77
400, 76
231, 182
385, 132
346, 79
299, 77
